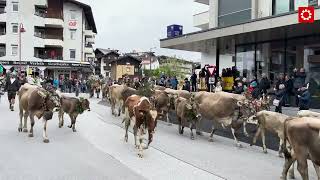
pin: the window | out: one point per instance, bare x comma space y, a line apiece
15, 6
72, 53
14, 50
72, 14
2, 50
15, 28
234, 12
72, 34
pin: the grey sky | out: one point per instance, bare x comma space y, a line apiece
139, 24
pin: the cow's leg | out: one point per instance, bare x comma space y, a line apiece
316, 167
212, 132
44, 133
112, 107
263, 136
256, 136
291, 171
287, 164
20, 116
127, 124
198, 125
32, 124
61, 118
25, 123
280, 148
191, 129
180, 130
140, 137
245, 129
168, 120
135, 130
235, 138
74, 123
303, 166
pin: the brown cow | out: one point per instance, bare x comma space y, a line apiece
73, 107
139, 114
115, 94
127, 92
36, 101
187, 115
272, 121
303, 137
161, 101
223, 108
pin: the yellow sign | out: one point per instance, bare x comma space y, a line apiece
228, 83
29, 71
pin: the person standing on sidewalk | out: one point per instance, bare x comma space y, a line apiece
278, 101
298, 82
194, 81
304, 99
12, 86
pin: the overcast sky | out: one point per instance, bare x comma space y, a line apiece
139, 24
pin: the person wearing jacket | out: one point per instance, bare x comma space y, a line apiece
186, 85
194, 81
174, 83
239, 89
298, 82
12, 86
280, 97
264, 84
304, 99
289, 90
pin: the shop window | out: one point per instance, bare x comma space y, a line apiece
14, 50
72, 53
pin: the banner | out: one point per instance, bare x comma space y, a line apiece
52, 64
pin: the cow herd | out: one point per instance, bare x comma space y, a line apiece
299, 136
42, 103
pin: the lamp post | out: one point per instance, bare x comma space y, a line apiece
21, 30
151, 57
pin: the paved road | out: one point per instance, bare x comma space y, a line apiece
97, 151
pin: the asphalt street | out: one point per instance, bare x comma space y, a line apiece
98, 151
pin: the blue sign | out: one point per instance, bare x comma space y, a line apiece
174, 31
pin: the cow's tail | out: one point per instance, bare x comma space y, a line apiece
126, 115
284, 147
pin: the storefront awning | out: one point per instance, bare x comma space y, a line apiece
264, 29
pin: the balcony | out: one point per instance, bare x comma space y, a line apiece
90, 40
51, 36
3, 2
48, 53
202, 1
89, 33
52, 22
3, 15
88, 50
201, 20
41, 3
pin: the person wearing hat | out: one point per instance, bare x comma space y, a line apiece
12, 86
254, 90
186, 85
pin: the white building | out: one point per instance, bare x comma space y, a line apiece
256, 36
57, 40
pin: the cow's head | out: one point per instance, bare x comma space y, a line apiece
51, 99
85, 104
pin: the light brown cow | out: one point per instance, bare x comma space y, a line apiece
187, 115
115, 93
73, 107
303, 137
139, 114
271, 121
36, 101
223, 108
307, 113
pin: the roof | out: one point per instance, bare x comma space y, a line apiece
88, 13
108, 51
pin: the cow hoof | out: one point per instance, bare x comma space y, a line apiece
140, 155
126, 139
19, 129
239, 146
70, 126
210, 140
25, 130
265, 151
181, 132
74, 130
199, 133
169, 124
137, 147
192, 137
30, 135
46, 141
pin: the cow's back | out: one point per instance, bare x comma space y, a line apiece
272, 121
127, 92
116, 92
25, 92
69, 104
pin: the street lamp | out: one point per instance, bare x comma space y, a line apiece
151, 57
21, 30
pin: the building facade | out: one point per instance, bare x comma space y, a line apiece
257, 36
125, 66
104, 59
51, 37
180, 66
146, 58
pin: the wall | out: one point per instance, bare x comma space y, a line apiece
68, 43
264, 8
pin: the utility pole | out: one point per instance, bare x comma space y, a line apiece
21, 30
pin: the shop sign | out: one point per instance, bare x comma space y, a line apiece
72, 24
306, 14
53, 64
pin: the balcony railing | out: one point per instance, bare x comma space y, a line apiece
48, 57
41, 14
47, 36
